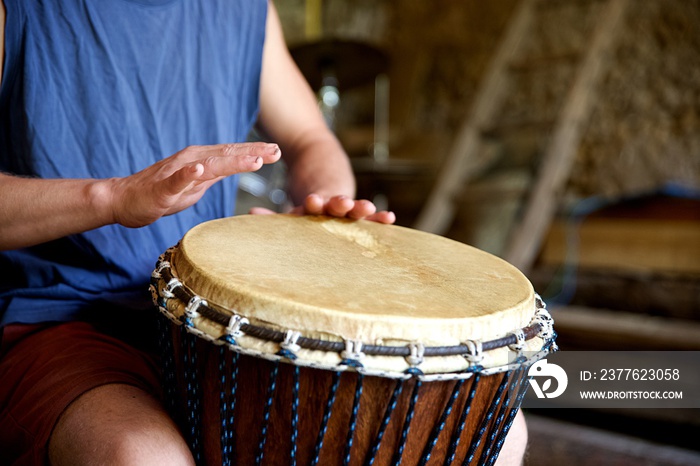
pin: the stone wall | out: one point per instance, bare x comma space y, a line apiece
645, 129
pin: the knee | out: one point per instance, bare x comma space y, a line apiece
147, 445
117, 424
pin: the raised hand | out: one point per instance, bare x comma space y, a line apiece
177, 182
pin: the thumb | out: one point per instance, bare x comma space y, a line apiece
182, 178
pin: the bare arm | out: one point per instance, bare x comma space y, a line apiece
289, 115
321, 179
34, 211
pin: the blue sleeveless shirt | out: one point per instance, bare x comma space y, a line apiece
104, 88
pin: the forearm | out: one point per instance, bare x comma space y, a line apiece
34, 211
289, 115
319, 165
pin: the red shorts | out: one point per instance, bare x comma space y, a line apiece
44, 369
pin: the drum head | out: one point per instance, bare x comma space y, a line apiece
352, 280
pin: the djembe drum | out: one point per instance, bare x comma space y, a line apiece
311, 340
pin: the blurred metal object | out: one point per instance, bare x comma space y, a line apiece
380, 149
264, 188
351, 63
332, 65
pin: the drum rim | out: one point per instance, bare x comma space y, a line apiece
402, 284
540, 326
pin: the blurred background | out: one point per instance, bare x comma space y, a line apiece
561, 135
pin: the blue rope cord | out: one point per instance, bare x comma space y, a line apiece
355, 410
227, 404
326, 416
191, 379
169, 368
515, 377
524, 385
409, 416
428, 450
295, 416
385, 422
486, 420
286, 353
266, 415
168, 365
232, 405
457, 434
223, 408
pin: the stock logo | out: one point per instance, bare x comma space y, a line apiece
544, 370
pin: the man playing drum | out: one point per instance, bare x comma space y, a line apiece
95, 97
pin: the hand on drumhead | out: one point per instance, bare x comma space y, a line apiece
179, 181
337, 206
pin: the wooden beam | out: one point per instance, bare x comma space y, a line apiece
527, 237
553, 443
463, 161
583, 328
624, 244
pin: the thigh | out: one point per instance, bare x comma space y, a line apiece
44, 372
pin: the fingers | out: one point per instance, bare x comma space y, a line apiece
269, 153
362, 209
216, 168
222, 160
382, 217
261, 211
339, 206
343, 206
313, 205
183, 178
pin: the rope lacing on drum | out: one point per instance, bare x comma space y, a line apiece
191, 309
233, 329
155, 296
266, 414
438, 428
416, 354
330, 402
192, 380
415, 372
161, 265
519, 340
385, 422
461, 423
515, 381
498, 437
475, 352
160, 298
228, 371
353, 417
352, 355
486, 420
167, 292
543, 319
289, 347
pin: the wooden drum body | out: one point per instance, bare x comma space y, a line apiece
310, 340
